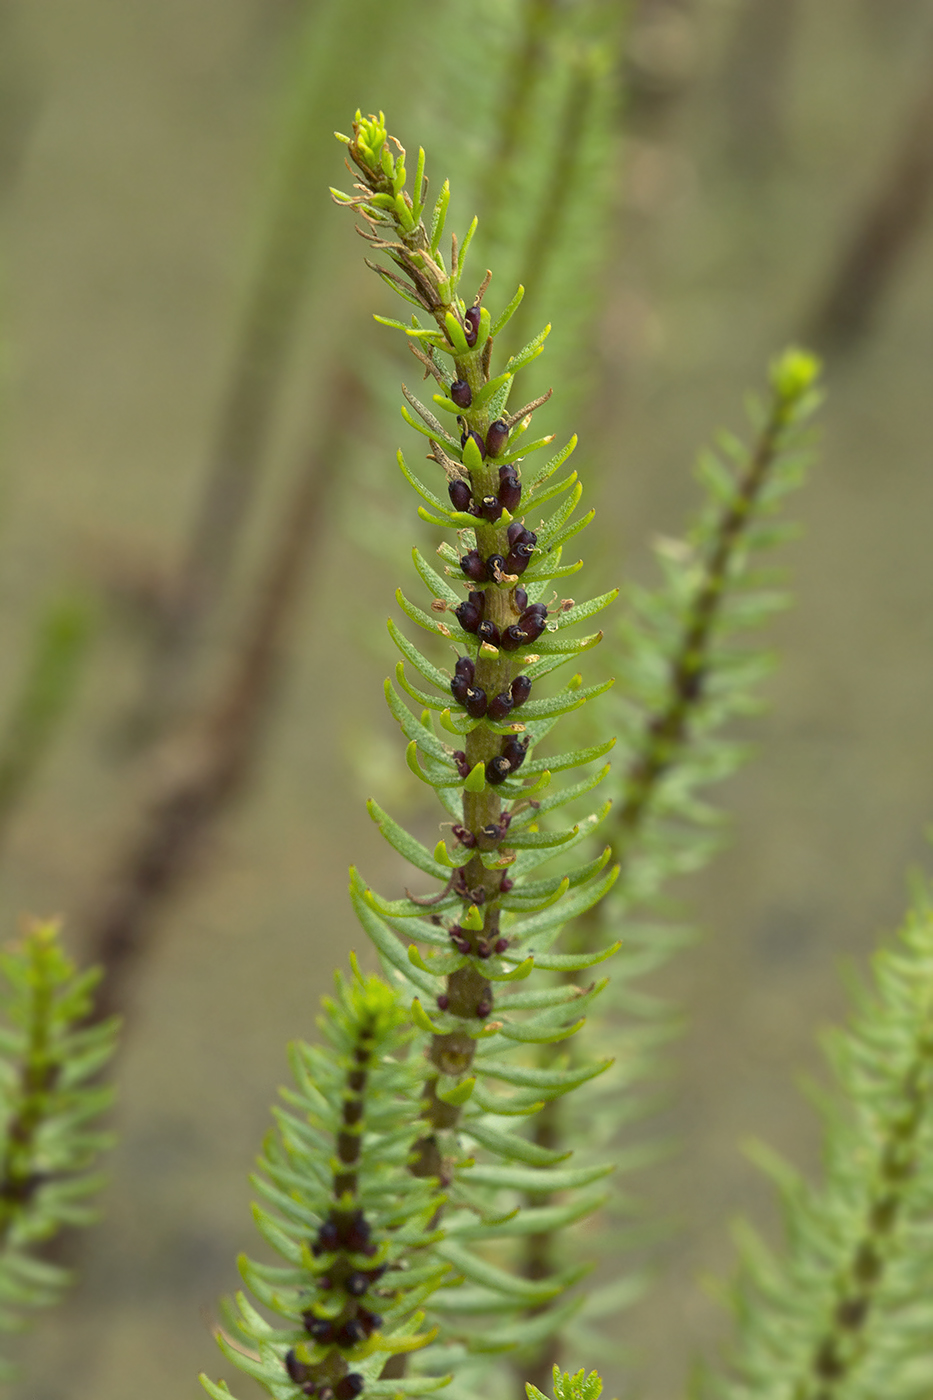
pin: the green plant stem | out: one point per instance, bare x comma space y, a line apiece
38, 1073
47, 690
842, 1343
667, 733
525, 72
556, 195
664, 737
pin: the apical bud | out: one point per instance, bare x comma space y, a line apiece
497, 435
461, 393
521, 689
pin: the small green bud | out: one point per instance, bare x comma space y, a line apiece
794, 372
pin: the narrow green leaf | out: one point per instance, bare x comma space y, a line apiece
419, 485
574, 962
548, 470
512, 1147
546, 1081
530, 352
517, 974
433, 581
392, 952
439, 217
526, 1034
549, 645
421, 618
581, 611
476, 779
503, 319
489, 1275
420, 663
404, 843
558, 762
410, 727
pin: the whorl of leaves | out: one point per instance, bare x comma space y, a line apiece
684, 675
490, 922
49, 1098
350, 1221
845, 1313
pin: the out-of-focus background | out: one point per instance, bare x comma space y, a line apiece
199, 427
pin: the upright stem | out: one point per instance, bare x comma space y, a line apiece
525, 72
39, 1071
209, 767
882, 234
664, 736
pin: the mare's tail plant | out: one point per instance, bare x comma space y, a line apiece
50, 1095
473, 1015
488, 923
353, 1225
846, 1313
686, 675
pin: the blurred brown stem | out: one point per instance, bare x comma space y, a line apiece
890, 222
245, 418
525, 70
199, 775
